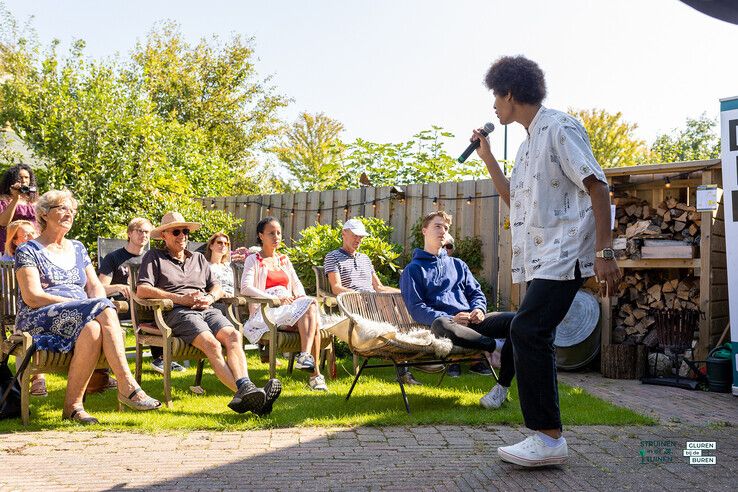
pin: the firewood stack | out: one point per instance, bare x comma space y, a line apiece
637, 220
642, 291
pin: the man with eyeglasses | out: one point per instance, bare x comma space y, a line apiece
113, 273
185, 278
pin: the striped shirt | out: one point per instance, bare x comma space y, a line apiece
355, 271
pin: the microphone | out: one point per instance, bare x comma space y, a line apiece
488, 128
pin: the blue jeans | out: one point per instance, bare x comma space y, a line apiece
532, 332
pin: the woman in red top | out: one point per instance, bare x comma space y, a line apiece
271, 274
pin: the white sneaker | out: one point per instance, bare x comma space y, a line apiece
495, 398
533, 452
305, 361
317, 383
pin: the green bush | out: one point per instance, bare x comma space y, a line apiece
320, 239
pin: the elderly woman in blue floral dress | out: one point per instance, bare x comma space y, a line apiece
63, 306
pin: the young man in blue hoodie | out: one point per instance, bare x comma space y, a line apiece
441, 292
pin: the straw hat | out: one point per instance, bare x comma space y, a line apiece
173, 220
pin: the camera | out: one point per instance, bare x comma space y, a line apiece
27, 189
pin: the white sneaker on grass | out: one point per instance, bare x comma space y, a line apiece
305, 361
533, 452
317, 383
495, 398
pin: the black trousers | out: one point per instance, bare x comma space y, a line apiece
482, 336
533, 331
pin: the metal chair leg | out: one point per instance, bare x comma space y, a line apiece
358, 375
402, 388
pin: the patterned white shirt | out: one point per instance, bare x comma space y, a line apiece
551, 218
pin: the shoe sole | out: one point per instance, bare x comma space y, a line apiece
251, 401
156, 369
272, 390
517, 460
305, 368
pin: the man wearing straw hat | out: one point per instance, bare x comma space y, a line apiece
185, 277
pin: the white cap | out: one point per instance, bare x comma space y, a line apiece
355, 226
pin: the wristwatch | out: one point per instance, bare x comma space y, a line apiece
606, 253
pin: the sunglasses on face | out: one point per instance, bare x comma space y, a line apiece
449, 247
222, 243
177, 232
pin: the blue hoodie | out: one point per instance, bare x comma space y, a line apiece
439, 285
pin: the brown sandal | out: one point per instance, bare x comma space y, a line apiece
38, 386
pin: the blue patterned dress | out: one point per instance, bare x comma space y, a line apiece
57, 326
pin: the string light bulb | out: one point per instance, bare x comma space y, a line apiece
435, 200
468, 200
292, 212
212, 203
374, 204
269, 208
667, 182
612, 191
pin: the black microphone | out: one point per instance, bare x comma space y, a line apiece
488, 128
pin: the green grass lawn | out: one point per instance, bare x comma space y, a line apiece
376, 401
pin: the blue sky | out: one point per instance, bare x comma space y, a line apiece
389, 68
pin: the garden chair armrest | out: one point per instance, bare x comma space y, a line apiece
163, 304
268, 301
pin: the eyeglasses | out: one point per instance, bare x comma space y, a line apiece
65, 210
222, 243
449, 247
177, 232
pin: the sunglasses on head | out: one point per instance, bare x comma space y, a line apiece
177, 232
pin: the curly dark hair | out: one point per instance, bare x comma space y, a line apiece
262, 225
12, 176
519, 76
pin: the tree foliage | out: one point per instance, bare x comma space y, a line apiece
313, 152
697, 141
142, 137
612, 139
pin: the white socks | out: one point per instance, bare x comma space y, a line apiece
550, 441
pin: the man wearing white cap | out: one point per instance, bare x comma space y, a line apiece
349, 271
185, 277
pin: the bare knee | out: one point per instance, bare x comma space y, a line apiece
208, 344
92, 330
230, 336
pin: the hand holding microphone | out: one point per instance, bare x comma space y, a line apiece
476, 141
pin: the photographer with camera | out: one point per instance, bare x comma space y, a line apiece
17, 197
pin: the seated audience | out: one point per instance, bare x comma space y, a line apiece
114, 273
218, 254
63, 306
440, 291
348, 270
270, 274
185, 277
18, 232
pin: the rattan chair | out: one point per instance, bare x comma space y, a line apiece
390, 308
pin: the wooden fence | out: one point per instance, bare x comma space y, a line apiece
473, 204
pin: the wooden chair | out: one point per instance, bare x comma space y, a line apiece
324, 295
43, 361
8, 298
390, 308
150, 329
286, 341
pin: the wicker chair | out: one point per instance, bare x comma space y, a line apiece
390, 308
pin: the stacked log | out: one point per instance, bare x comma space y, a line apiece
639, 294
636, 220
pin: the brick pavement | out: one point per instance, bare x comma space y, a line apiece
669, 405
391, 458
